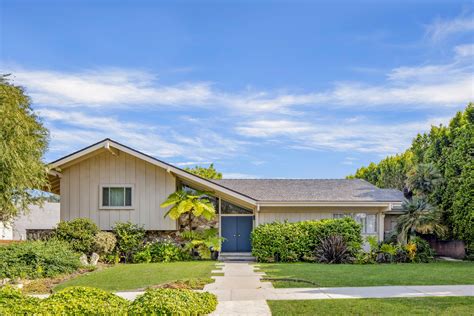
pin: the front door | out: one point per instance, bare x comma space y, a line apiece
236, 231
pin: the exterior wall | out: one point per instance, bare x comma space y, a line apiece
80, 185
45, 217
297, 214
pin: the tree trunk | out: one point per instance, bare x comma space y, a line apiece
190, 222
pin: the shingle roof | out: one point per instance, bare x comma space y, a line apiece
311, 190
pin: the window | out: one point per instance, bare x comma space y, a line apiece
116, 196
367, 221
229, 208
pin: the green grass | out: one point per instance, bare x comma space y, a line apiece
136, 276
376, 306
334, 275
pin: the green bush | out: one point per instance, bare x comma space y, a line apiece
130, 238
291, 242
143, 256
78, 300
173, 302
167, 252
79, 233
104, 243
13, 302
37, 259
424, 253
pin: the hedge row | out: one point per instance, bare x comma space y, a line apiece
92, 301
291, 242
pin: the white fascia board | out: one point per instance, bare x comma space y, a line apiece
324, 203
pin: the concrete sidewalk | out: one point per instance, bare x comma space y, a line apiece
241, 292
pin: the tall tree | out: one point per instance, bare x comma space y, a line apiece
207, 173
23, 141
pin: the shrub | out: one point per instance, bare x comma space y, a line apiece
173, 302
104, 243
130, 238
13, 302
79, 300
289, 242
167, 252
79, 233
333, 249
424, 253
36, 259
143, 256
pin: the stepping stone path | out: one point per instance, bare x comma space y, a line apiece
240, 291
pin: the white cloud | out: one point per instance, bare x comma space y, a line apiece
339, 135
419, 86
466, 50
441, 29
73, 130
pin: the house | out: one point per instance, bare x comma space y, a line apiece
109, 182
38, 219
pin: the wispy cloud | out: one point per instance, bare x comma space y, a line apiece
414, 86
443, 28
338, 135
73, 130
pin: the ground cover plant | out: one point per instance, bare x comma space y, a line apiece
347, 275
37, 259
291, 242
374, 306
140, 276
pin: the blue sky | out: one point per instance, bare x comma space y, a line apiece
310, 89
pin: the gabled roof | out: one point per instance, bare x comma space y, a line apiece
249, 191
312, 190
109, 144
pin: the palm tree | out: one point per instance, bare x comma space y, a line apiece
419, 217
190, 203
423, 179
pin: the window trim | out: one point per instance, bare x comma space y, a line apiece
352, 215
116, 185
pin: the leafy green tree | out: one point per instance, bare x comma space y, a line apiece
419, 216
23, 141
423, 179
190, 203
450, 150
207, 173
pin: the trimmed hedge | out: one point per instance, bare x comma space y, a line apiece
37, 259
291, 242
173, 302
79, 300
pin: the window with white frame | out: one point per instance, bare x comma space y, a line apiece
116, 196
367, 221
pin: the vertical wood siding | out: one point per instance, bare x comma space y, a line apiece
80, 185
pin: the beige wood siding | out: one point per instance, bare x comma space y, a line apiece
80, 185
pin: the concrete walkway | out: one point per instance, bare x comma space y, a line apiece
240, 291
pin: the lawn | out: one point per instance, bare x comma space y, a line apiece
137, 276
334, 275
376, 306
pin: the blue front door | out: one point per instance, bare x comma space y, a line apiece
236, 231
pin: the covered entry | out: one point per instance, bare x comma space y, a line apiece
236, 224
236, 231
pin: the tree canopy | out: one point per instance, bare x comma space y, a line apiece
207, 173
23, 141
450, 149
